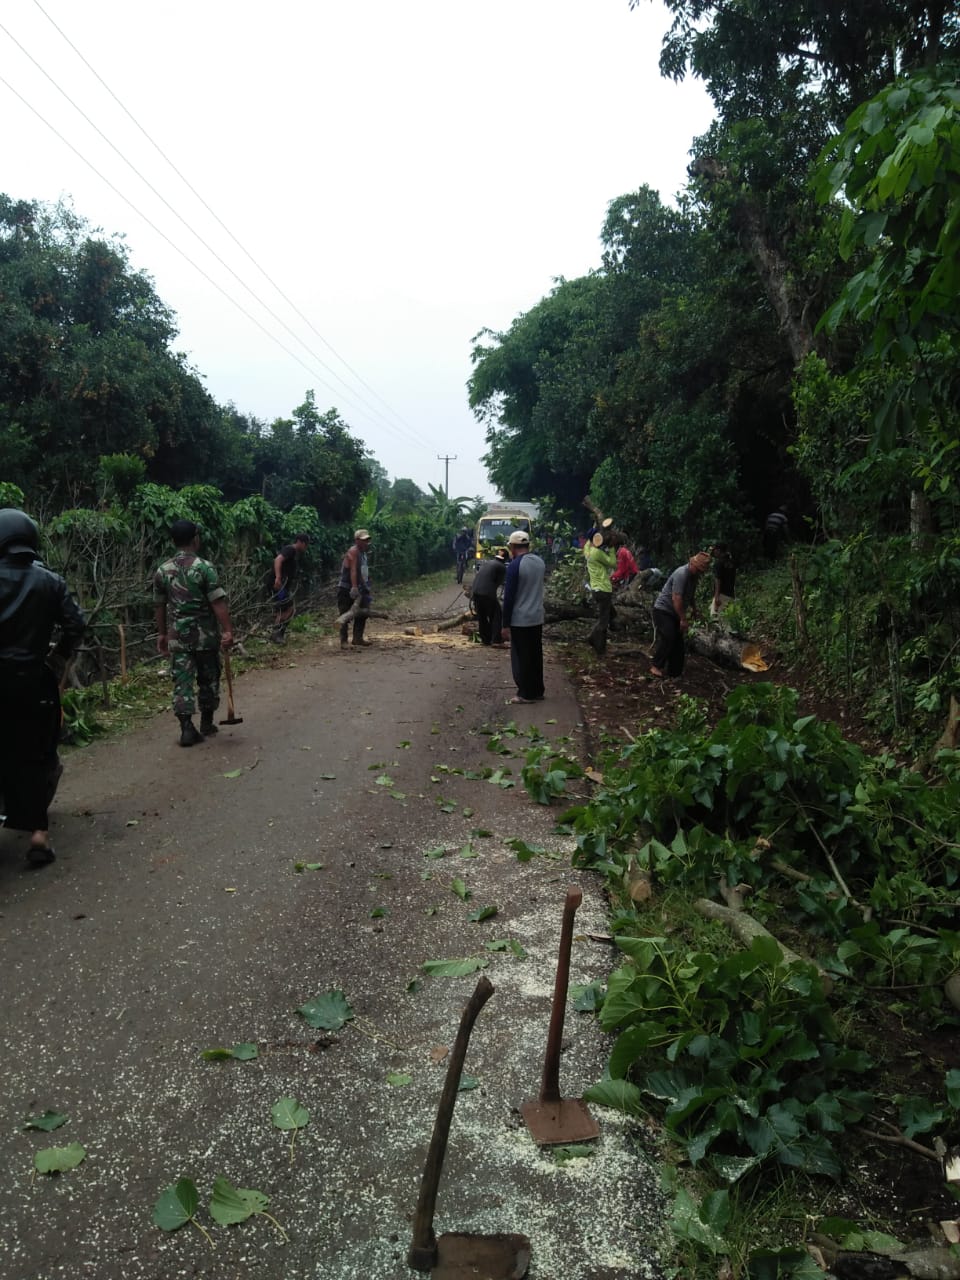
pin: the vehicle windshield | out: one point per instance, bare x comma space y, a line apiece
499, 528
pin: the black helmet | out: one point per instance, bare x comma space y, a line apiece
18, 533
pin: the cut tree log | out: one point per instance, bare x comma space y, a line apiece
454, 622
747, 929
355, 612
726, 650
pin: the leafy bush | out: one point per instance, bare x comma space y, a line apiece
754, 1072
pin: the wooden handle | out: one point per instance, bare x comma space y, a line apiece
228, 672
550, 1085
423, 1250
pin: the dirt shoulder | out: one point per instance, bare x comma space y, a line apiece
176, 920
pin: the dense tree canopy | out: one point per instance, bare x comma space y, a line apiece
88, 370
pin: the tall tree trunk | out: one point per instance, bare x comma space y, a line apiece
774, 274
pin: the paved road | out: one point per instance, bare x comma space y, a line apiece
175, 920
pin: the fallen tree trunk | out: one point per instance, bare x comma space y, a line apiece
726, 650
354, 612
454, 622
560, 611
747, 929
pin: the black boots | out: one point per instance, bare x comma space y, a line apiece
207, 724
189, 733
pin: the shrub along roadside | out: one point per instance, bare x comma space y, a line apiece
738, 1052
108, 554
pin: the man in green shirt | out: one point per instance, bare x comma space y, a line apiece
601, 562
187, 595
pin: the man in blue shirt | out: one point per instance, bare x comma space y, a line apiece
523, 617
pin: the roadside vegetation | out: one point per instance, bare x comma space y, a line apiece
786, 335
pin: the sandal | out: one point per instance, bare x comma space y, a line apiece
40, 855
519, 699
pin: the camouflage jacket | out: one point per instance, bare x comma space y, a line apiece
188, 585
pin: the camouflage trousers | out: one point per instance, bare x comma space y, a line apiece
200, 667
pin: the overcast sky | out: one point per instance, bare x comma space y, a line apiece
399, 176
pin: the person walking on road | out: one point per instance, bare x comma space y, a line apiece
33, 603
672, 610
601, 561
484, 594
462, 546
193, 625
354, 588
286, 566
523, 617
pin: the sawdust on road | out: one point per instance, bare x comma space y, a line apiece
176, 920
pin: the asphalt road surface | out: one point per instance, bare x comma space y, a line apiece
176, 920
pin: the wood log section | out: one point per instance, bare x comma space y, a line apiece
454, 622
747, 929
355, 612
726, 650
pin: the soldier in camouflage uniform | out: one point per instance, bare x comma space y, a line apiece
200, 625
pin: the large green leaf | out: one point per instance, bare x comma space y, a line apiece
328, 1012
288, 1114
453, 968
621, 1095
230, 1204
687, 1224
59, 1159
176, 1206
49, 1121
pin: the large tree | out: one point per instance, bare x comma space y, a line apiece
86, 365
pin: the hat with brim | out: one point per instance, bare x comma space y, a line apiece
518, 539
361, 535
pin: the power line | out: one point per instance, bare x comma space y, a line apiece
93, 71
163, 235
350, 391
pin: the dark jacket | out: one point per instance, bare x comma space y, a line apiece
33, 601
489, 576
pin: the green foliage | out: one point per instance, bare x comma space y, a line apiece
768, 788
80, 724
59, 1159
897, 161
230, 1205
11, 495
118, 474
546, 773
47, 1122
741, 1053
328, 1012
177, 1205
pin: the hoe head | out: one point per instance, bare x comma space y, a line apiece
461, 1256
553, 1124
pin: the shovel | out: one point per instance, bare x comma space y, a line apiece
232, 717
553, 1120
459, 1255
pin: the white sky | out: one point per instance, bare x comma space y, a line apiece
406, 171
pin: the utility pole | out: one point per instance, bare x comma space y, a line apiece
446, 459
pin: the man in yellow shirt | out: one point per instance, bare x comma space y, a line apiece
601, 561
